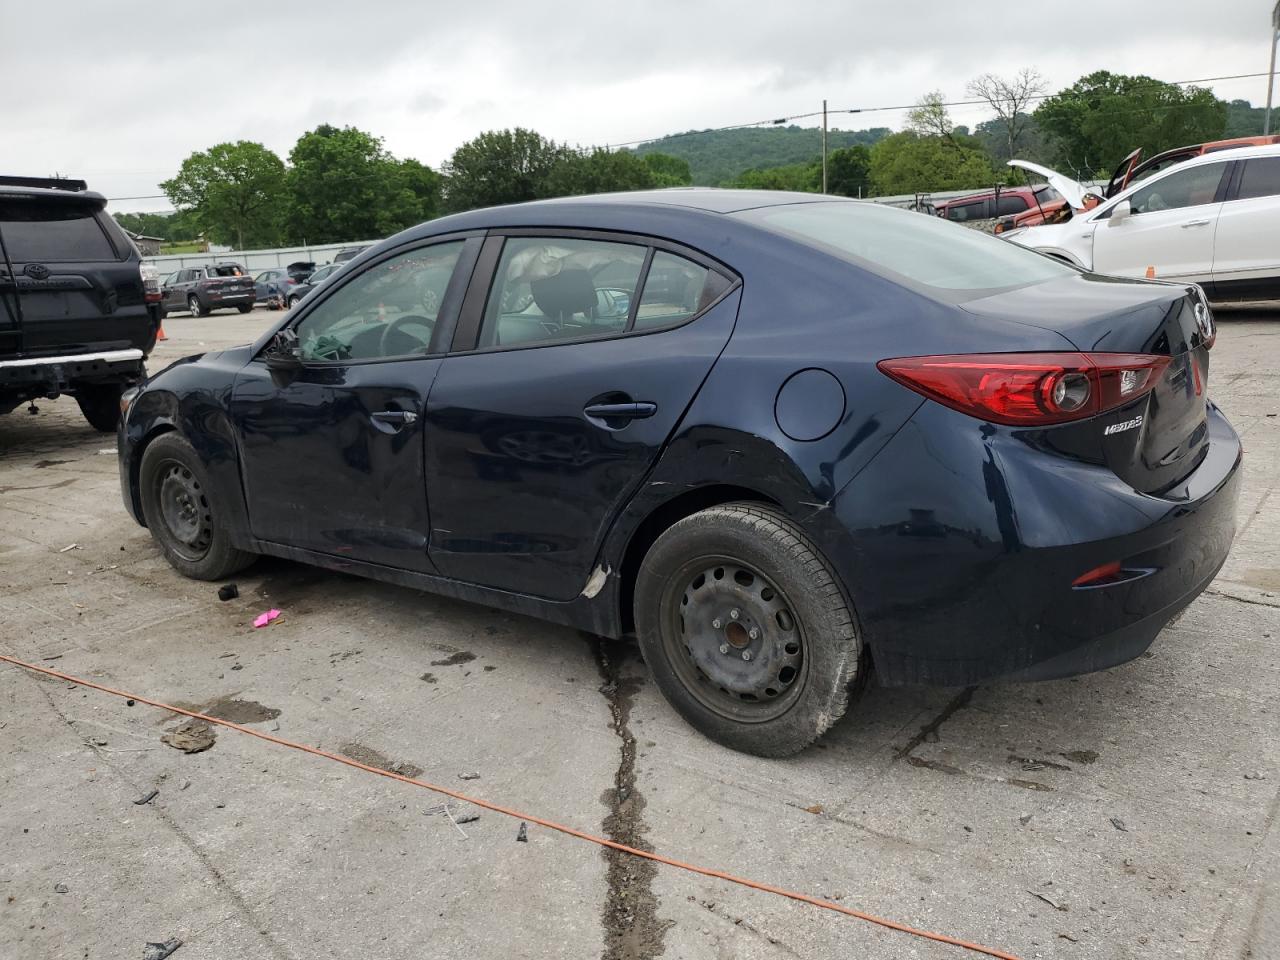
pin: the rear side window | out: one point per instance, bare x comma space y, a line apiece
1261, 178
38, 231
676, 289
922, 251
1011, 204
961, 212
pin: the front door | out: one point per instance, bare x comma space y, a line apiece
572, 379
1170, 227
332, 453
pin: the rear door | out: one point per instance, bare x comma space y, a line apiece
565, 382
1171, 226
332, 454
1246, 253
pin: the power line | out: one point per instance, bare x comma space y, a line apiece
908, 106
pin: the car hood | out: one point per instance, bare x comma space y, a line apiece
1072, 190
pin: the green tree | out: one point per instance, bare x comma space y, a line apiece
849, 171
500, 166
1095, 122
344, 185
599, 171
668, 171
235, 191
907, 162
1244, 119
166, 226
802, 177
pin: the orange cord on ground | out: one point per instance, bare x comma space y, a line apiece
516, 814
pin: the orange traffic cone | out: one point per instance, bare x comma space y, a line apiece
160, 334
1151, 273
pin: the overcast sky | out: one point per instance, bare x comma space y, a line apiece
123, 91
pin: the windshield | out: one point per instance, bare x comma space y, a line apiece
923, 251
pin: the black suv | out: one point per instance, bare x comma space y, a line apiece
78, 312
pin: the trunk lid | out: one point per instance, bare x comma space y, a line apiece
1153, 442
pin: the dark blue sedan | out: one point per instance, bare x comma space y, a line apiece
784, 439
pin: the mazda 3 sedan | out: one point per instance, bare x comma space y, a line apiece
784, 439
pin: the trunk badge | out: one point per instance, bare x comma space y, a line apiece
36, 271
1123, 426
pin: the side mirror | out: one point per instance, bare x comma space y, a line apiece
1120, 212
283, 353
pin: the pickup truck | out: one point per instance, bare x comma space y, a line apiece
201, 290
78, 311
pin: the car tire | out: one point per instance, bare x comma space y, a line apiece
746, 630
180, 512
244, 308
100, 404
195, 306
293, 302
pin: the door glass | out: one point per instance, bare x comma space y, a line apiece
674, 290
389, 310
1186, 188
1261, 178
560, 288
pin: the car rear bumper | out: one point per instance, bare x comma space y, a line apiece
215, 300
974, 581
58, 372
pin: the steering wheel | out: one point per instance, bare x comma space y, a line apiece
406, 320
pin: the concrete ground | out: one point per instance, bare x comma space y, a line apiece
1131, 813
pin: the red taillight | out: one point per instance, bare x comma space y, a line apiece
1029, 389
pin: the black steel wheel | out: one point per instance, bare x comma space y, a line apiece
746, 629
182, 513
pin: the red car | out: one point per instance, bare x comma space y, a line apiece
1008, 201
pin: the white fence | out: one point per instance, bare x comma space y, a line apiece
254, 260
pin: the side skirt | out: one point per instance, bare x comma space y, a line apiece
596, 614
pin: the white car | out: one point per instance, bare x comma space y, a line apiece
1213, 219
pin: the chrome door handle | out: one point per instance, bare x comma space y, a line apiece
1196, 223
399, 417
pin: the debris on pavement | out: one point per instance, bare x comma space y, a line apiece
129, 703
523, 835
1057, 906
193, 736
1119, 824
468, 776
467, 818
60, 888
158, 951
1255, 776
817, 808
147, 797
262, 619
228, 591
185, 784
70, 546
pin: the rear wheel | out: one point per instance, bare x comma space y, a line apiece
100, 404
293, 302
746, 630
181, 514
197, 309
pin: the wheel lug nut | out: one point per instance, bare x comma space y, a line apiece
753, 633
715, 624
733, 614
724, 648
746, 654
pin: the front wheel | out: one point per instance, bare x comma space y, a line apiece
100, 404
195, 306
746, 629
181, 513
244, 308
293, 302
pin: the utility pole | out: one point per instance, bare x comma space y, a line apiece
824, 122
1271, 74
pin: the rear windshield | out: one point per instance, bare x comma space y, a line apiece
36, 231
923, 251
224, 270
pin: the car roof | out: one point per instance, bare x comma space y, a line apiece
708, 199
1231, 153
90, 197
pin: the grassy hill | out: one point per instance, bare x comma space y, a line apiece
716, 156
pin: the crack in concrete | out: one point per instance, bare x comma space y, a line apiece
959, 703
632, 930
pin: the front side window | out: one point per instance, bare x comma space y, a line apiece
1261, 178
388, 310
1189, 187
560, 288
